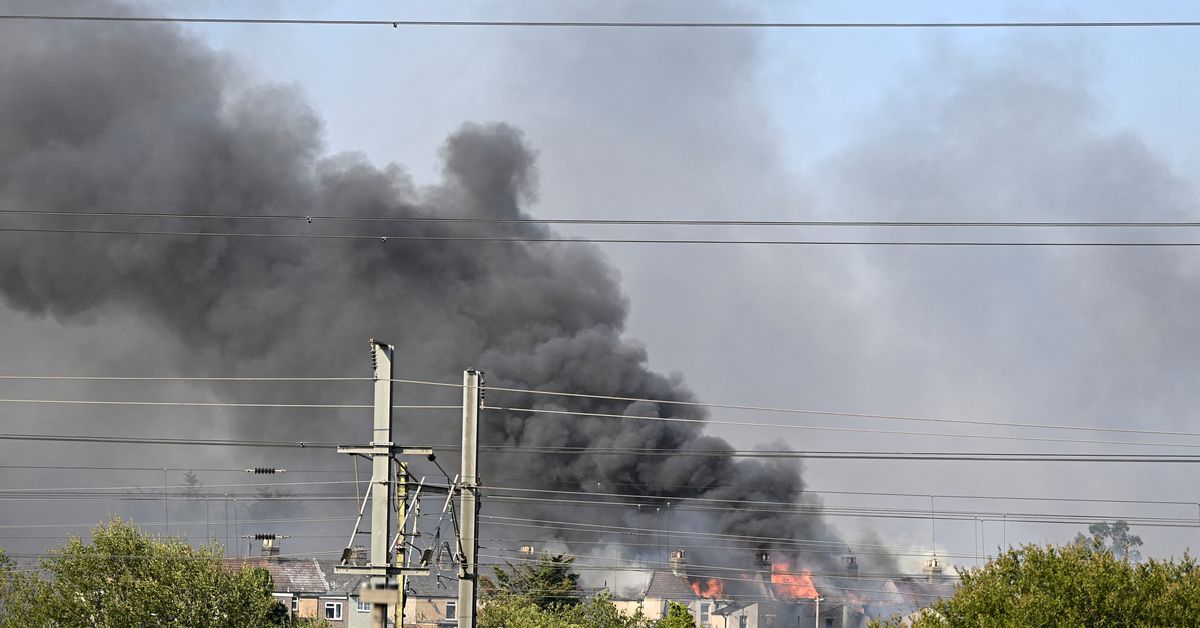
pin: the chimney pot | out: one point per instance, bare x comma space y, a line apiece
678, 565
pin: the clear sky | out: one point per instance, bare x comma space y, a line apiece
997, 124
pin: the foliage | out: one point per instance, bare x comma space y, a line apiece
1073, 585
519, 611
678, 616
548, 584
127, 578
1113, 537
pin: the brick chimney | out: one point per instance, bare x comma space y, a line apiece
933, 569
270, 547
851, 566
678, 566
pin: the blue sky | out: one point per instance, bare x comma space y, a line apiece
782, 124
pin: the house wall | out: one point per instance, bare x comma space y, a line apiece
361, 619
347, 609
630, 607
655, 608
427, 612
308, 607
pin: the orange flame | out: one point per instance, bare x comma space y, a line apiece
711, 588
792, 584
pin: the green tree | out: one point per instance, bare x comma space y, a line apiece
1073, 585
517, 611
678, 616
127, 578
1114, 537
548, 583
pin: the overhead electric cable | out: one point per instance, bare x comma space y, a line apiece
843, 413
157, 469
845, 429
74, 438
815, 491
111, 378
384, 238
620, 24
685, 222
223, 404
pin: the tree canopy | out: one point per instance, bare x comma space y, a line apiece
127, 578
516, 611
1114, 537
548, 583
1075, 585
678, 616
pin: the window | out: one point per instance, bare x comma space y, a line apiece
828, 622
452, 610
742, 621
295, 604
333, 610
362, 607
704, 613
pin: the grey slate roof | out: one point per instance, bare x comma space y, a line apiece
290, 575
666, 585
920, 592
427, 587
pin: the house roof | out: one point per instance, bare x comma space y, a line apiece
667, 585
444, 586
290, 575
921, 592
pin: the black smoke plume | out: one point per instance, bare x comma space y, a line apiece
143, 118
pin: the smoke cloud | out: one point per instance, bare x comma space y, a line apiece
144, 118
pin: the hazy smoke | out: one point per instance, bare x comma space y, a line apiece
143, 118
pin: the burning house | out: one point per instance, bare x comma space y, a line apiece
769, 593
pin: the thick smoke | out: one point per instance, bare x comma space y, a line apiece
142, 118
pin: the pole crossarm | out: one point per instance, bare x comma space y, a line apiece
384, 449
380, 571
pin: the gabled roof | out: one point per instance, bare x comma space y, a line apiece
668, 586
290, 575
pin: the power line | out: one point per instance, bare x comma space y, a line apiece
157, 469
840, 413
648, 400
847, 455
823, 493
606, 24
860, 430
222, 404
109, 378
165, 441
886, 513
806, 490
309, 218
568, 240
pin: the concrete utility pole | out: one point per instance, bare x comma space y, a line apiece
381, 567
468, 576
817, 613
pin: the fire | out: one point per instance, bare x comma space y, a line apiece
711, 588
792, 584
